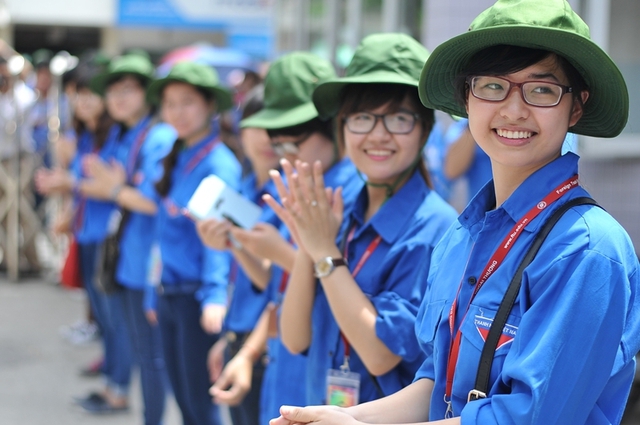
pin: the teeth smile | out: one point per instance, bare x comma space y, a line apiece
378, 152
514, 134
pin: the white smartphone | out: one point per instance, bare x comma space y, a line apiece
214, 199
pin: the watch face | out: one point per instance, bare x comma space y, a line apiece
324, 266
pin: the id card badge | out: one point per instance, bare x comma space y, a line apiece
154, 274
343, 387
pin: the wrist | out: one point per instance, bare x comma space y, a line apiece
249, 353
116, 191
322, 253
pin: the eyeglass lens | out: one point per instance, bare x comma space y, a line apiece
537, 93
396, 123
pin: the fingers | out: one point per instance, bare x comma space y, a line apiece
338, 203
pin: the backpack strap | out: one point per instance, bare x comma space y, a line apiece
481, 387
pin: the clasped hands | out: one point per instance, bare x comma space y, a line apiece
312, 212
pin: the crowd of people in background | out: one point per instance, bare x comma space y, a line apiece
320, 301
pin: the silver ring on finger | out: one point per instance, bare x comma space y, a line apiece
314, 203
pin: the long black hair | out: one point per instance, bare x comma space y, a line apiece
83, 76
163, 186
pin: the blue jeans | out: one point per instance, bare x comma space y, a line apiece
109, 313
147, 351
186, 346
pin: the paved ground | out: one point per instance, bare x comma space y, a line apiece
39, 370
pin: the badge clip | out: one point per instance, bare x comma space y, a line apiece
475, 395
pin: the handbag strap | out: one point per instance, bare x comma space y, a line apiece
481, 387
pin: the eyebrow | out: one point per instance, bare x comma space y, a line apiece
544, 75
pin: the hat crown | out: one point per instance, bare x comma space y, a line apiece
548, 14
390, 53
195, 74
133, 63
292, 78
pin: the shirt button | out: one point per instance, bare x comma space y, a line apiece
330, 353
472, 280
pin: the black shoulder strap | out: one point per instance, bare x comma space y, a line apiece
491, 343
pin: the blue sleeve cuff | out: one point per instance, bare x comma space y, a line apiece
150, 300
212, 293
395, 325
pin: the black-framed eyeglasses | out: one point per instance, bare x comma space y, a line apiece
396, 123
543, 94
289, 148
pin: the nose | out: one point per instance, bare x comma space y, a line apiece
379, 131
514, 107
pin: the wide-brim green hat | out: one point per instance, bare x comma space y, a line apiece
195, 74
131, 64
538, 24
388, 58
288, 88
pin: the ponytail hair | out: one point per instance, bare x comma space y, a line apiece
163, 186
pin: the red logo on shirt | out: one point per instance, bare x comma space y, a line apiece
172, 208
483, 324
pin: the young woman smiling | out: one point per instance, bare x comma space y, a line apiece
563, 349
360, 315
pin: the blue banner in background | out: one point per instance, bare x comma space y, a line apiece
247, 24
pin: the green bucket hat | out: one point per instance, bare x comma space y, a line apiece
288, 87
131, 64
539, 24
380, 58
198, 75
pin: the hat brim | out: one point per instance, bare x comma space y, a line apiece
100, 82
223, 98
605, 112
327, 96
273, 119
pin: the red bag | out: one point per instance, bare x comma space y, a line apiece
70, 276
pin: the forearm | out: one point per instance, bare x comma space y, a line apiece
132, 199
356, 317
258, 272
460, 155
295, 320
409, 405
256, 343
284, 257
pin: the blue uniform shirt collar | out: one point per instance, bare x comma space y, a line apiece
526, 196
190, 151
389, 221
333, 176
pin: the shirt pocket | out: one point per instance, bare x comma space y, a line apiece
475, 329
428, 321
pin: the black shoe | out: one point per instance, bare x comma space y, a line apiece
99, 405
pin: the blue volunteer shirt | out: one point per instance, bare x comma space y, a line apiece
93, 230
186, 262
138, 233
410, 223
567, 352
247, 301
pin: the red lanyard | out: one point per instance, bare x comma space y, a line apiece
365, 256
492, 265
199, 156
135, 150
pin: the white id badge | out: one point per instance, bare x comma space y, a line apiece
155, 265
343, 388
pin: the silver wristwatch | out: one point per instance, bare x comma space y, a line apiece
325, 266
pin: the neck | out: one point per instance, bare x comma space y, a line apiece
196, 137
91, 124
135, 119
262, 176
377, 196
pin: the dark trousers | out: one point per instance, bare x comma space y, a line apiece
108, 311
186, 346
147, 350
248, 411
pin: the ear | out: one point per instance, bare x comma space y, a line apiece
578, 109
